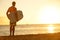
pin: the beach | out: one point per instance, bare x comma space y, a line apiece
29, 29
30, 32
55, 36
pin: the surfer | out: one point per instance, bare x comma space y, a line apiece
12, 9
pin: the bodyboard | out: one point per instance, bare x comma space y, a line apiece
12, 16
20, 15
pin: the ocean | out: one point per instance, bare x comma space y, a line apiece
30, 29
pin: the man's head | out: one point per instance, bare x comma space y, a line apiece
13, 3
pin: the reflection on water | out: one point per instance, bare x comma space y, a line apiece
51, 28
30, 29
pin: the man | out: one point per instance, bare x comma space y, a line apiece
12, 9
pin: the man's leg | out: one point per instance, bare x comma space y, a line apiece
11, 29
14, 24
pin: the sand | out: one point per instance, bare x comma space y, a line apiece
55, 36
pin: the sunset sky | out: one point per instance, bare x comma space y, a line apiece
34, 11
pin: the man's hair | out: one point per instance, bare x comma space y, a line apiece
13, 2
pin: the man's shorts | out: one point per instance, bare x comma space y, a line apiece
13, 23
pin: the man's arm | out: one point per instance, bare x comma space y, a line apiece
7, 12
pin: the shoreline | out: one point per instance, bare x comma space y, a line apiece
54, 36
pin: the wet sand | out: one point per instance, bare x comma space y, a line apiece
55, 36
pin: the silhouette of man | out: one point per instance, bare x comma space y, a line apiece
12, 25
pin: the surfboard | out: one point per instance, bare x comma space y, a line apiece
20, 15
12, 17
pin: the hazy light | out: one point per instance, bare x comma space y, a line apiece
50, 29
49, 15
34, 11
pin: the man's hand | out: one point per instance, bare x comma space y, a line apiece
16, 18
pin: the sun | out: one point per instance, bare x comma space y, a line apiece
51, 29
49, 15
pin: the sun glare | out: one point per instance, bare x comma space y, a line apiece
48, 15
51, 29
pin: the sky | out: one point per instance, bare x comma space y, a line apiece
34, 11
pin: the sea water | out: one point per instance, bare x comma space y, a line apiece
28, 29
